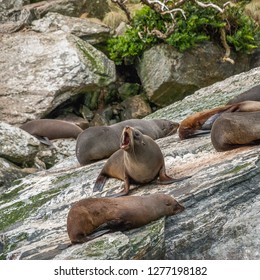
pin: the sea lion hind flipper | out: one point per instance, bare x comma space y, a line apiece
100, 182
164, 179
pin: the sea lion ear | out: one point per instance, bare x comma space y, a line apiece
143, 143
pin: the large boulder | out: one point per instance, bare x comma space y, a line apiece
40, 71
89, 31
168, 75
221, 219
72, 8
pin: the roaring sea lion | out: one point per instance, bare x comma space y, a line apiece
233, 130
100, 142
252, 94
201, 122
139, 160
97, 216
49, 129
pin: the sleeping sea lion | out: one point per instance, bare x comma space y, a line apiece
233, 130
139, 160
100, 142
49, 129
201, 122
92, 217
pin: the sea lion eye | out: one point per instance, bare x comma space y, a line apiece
136, 134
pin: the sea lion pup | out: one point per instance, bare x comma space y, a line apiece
251, 94
233, 130
100, 142
49, 129
139, 160
92, 217
201, 122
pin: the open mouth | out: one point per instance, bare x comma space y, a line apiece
125, 142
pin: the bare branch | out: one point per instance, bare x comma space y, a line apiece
226, 46
121, 4
203, 5
174, 11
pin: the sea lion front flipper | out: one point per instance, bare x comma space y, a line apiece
164, 179
125, 191
100, 182
44, 140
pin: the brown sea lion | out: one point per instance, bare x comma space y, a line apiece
49, 129
251, 94
139, 160
233, 130
97, 216
201, 122
100, 142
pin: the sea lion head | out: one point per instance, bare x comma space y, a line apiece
172, 206
167, 127
131, 137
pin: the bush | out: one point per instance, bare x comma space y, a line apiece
149, 27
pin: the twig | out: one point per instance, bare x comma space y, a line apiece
203, 5
121, 4
226, 46
174, 11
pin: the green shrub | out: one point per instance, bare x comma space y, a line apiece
199, 25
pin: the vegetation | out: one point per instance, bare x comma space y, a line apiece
189, 25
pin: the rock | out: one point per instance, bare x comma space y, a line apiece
168, 75
40, 71
16, 21
128, 89
60, 150
9, 172
73, 8
135, 107
221, 199
17, 145
9, 6
89, 31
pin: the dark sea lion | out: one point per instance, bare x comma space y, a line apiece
97, 216
233, 130
201, 122
251, 94
139, 160
100, 142
49, 129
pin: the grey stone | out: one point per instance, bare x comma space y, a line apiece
41, 71
17, 145
168, 75
87, 30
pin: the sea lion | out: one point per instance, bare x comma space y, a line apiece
233, 130
201, 122
101, 215
139, 160
49, 129
100, 142
252, 94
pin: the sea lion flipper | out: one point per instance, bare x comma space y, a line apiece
164, 179
100, 182
44, 140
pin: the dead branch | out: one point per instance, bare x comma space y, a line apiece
122, 5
